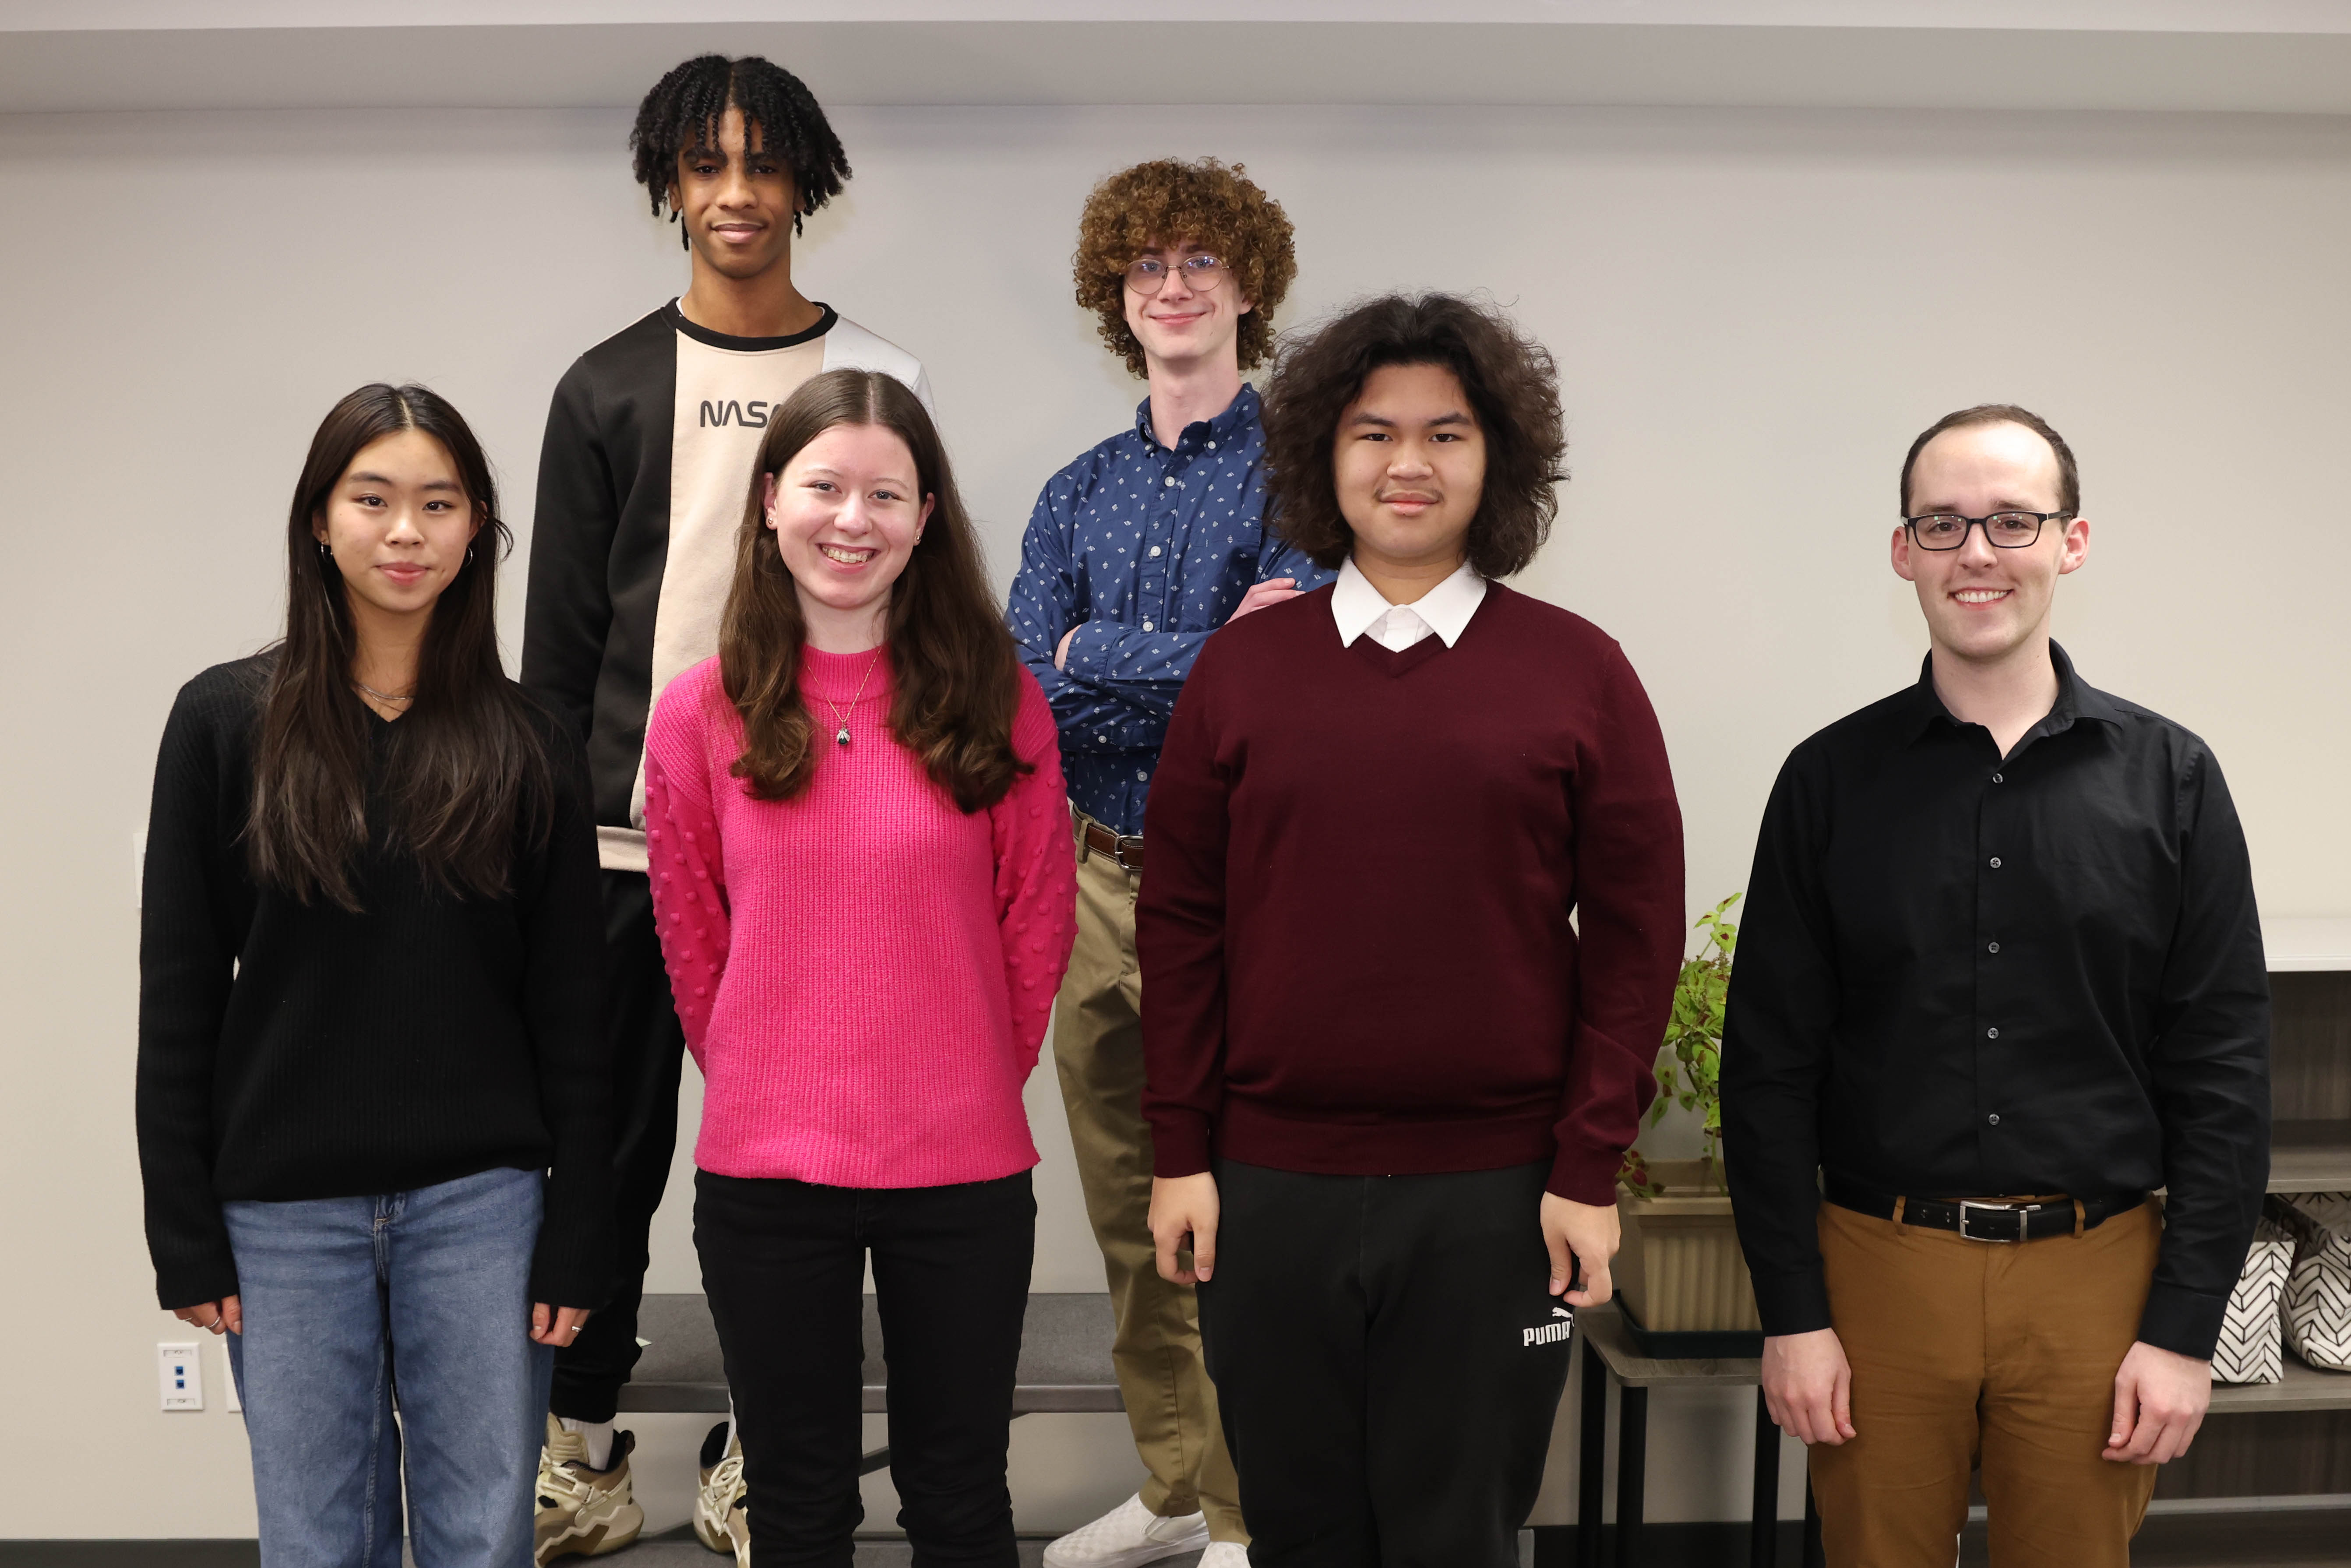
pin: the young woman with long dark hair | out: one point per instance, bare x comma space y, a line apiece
372, 1095
863, 874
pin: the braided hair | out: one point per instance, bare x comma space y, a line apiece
684, 108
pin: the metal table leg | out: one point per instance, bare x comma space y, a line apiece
1632, 1456
1592, 1458
1764, 1534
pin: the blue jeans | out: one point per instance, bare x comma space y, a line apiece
351, 1303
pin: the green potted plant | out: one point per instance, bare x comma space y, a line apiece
1680, 1276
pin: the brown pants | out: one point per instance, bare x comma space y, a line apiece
1171, 1406
1969, 1353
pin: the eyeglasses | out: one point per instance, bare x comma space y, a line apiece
1149, 276
2002, 531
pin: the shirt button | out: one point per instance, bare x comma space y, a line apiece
1994, 1118
1997, 780
1169, 480
1991, 1034
1995, 862
1154, 550
1212, 446
1141, 777
1993, 947
1146, 626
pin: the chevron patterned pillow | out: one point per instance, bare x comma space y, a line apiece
2250, 1350
2318, 1306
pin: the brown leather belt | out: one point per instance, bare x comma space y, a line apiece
1126, 848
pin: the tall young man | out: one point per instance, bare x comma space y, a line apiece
649, 445
1135, 553
2001, 976
1391, 1080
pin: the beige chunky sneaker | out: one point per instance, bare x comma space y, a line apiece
583, 1512
722, 1510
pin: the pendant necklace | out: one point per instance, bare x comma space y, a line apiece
841, 716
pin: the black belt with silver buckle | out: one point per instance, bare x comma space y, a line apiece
1126, 848
2000, 1221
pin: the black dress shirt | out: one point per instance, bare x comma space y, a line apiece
1968, 976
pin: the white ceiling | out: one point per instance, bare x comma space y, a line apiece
2257, 55
2103, 15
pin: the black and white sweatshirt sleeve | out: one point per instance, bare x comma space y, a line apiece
567, 616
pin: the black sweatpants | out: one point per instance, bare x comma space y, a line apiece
648, 1051
1387, 1360
783, 1263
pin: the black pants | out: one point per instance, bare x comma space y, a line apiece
1388, 1362
784, 1265
648, 1047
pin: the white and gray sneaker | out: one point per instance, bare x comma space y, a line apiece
1225, 1554
1126, 1537
722, 1510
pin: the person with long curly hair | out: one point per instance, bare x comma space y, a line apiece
1408, 944
651, 438
864, 882
1135, 554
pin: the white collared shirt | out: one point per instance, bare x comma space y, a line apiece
1359, 608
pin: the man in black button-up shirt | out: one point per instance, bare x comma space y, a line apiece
2000, 942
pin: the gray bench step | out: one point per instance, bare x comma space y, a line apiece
1064, 1357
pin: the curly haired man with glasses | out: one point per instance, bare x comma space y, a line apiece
1135, 554
2001, 977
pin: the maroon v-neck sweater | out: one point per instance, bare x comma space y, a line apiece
1357, 957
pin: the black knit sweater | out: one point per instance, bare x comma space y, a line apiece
290, 1051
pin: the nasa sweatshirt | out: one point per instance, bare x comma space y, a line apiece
643, 479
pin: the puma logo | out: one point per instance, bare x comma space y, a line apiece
1561, 1325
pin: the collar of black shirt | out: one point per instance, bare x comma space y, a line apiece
2076, 700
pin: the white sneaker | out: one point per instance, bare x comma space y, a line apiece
1225, 1554
722, 1512
1128, 1536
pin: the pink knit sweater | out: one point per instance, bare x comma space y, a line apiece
864, 973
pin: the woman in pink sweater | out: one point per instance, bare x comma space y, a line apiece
862, 873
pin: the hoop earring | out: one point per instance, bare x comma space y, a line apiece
324, 552
469, 555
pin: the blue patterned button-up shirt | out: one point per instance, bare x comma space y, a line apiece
1146, 551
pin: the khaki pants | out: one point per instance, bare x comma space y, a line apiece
1098, 1051
1969, 1354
